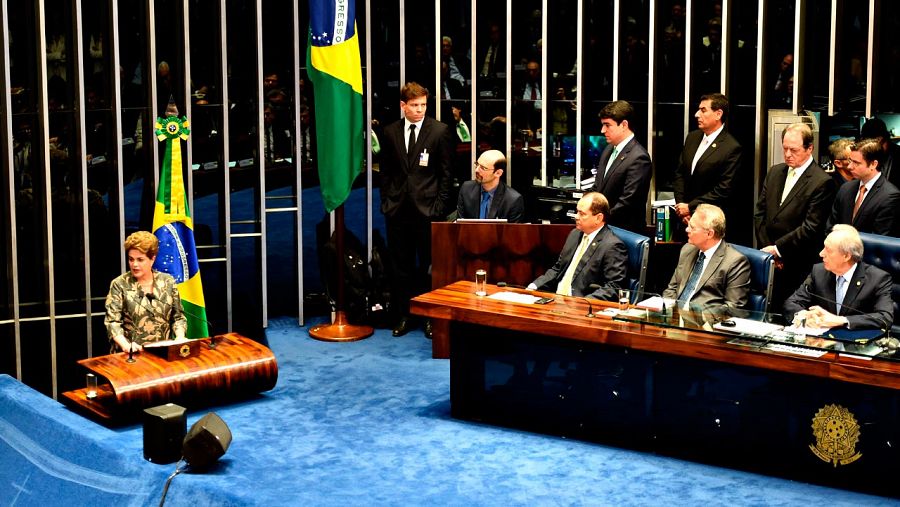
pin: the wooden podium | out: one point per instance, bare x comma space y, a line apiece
511, 253
236, 366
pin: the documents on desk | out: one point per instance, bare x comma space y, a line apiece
514, 297
748, 327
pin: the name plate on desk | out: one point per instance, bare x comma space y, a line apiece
173, 350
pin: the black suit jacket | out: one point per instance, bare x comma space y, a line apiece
507, 203
876, 215
713, 180
725, 281
797, 226
604, 263
425, 189
867, 302
626, 186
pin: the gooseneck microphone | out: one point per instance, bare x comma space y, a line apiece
512, 285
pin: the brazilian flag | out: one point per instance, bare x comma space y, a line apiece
173, 226
332, 58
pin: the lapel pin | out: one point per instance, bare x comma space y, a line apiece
858, 283
713, 145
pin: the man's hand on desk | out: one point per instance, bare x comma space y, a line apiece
531, 286
817, 316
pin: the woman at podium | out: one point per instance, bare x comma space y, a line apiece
143, 304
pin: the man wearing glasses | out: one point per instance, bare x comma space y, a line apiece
592, 255
710, 273
487, 196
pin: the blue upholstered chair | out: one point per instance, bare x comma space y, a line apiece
884, 252
638, 252
762, 273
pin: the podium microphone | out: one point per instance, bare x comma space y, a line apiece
511, 285
130, 352
590, 313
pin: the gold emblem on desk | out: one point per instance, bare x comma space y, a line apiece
837, 434
185, 350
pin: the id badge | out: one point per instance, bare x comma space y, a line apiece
423, 159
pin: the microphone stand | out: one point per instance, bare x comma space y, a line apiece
130, 353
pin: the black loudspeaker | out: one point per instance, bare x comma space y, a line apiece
207, 441
164, 429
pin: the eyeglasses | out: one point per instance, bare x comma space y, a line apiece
483, 168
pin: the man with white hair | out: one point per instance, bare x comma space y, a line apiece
842, 291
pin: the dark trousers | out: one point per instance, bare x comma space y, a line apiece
409, 243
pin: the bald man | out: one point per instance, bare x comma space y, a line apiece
487, 196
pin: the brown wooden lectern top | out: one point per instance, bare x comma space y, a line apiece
237, 365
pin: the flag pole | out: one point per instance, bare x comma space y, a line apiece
340, 330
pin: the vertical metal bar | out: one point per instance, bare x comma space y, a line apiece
651, 96
78, 76
799, 57
508, 95
45, 131
870, 59
149, 138
298, 171
725, 47
545, 98
402, 44
226, 157
616, 35
439, 88
832, 50
368, 91
188, 103
688, 29
760, 128
579, 78
262, 169
8, 167
115, 108
473, 95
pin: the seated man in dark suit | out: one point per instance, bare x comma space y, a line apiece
624, 170
710, 273
869, 204
487, 196
592, 255
843, 291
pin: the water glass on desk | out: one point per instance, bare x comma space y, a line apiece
481, 282
91, 384
624, 299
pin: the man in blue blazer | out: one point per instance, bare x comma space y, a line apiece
600, 257
863, 291
487, 196
877, 209
624, 170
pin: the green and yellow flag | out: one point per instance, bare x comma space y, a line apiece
173, 226
332, 58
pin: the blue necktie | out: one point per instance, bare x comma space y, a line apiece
839, 292
692, 281
485, 204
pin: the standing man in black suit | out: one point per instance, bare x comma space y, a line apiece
415, 188
592, 255
487, 196
708, 167
843, 291
624, 170
870, 203
792, 210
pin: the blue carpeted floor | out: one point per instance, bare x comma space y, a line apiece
362, 423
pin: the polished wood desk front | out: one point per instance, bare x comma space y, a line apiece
236, 366
511, 253
566, 319
831, 419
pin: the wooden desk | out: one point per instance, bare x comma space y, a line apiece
511, 253
237, 366
688, 393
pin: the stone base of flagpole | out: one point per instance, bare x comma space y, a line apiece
340, 330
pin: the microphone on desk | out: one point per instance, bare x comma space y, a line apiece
590, 313
512, 285
130, 352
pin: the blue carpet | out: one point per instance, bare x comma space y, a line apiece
362, 423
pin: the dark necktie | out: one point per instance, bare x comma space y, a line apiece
485, 204
692, 281
411, 147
